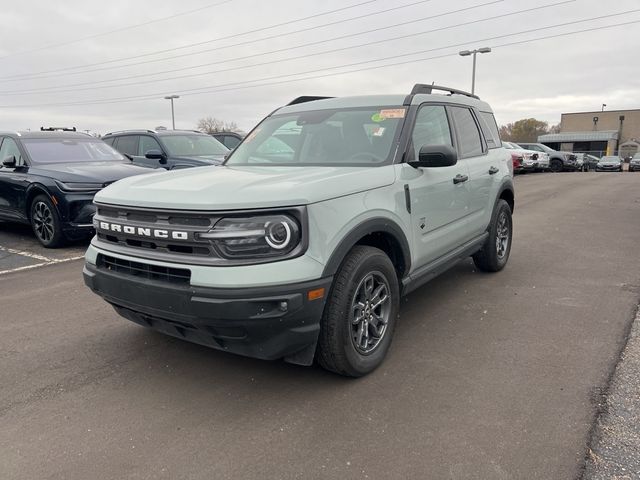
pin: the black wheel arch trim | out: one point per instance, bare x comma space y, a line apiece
367, 227
32, 192
507, 186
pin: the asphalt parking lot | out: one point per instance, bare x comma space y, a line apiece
490, 376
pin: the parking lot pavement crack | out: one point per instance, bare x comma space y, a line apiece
614, 445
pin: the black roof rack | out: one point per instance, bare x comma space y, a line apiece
57, 129
421, 88
305, 99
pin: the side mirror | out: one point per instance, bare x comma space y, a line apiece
156, 155
436, 156
10, 162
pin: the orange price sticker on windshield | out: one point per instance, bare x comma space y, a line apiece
392, 113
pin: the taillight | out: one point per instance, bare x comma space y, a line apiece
516, 159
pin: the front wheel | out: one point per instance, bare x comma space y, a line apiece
360, 315
556, 166
495, 252
45, 222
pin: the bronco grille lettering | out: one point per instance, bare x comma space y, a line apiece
144, 232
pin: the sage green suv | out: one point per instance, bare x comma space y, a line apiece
301, 245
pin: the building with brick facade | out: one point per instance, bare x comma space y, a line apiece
612, 132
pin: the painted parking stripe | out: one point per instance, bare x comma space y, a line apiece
24, 253
42, 264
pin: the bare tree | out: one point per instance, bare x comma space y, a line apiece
213, 125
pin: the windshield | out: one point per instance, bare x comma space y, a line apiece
508, 146
66, 150
610, 159
636, 156
336, 137
193, 145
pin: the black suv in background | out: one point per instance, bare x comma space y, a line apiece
229, 139
48, 179
169, 149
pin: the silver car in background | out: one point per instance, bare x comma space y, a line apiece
610, 163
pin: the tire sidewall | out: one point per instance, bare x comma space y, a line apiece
501, 207
56, 239
360, 363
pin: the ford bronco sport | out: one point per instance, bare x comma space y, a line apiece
301, 245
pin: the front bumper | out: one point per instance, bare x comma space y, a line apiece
261, 322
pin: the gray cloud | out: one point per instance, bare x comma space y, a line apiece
539, 79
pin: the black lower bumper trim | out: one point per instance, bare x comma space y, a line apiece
265, 322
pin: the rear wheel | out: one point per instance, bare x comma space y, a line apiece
361, 312
45, 222
496, 249
556, 165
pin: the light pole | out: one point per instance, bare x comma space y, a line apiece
173, 118
466, 53
603, 105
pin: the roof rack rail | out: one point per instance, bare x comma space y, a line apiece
130, 131
57, 129
421, 88
306, 98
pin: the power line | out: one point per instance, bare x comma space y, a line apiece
42, 74
121, 29
404, 62
57, 89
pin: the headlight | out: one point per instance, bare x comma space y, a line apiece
255, 237
79, 187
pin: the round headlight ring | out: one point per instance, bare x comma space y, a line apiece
275, 238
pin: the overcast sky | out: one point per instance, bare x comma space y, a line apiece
100, 65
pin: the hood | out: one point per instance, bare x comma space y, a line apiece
90, 172
235, 187
609, 162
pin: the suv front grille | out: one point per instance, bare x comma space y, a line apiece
187, 223
143, 270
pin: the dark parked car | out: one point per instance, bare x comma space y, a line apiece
229, 139
48, 179
610, 163
590, 161
634, 163
169, 149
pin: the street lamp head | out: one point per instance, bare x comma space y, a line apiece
465, 53
484, 50
170, 97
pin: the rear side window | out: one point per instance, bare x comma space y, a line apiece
490, 129
109, 141
127, 144
469, 139
230, 141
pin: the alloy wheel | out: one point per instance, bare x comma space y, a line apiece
370, 311
43, 221
502, 235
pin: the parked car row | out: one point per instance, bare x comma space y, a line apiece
48, 178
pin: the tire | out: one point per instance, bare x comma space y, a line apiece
495, 252
45, 222
343, 344
556, 166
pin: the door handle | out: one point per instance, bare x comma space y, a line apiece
493, 170
460, 179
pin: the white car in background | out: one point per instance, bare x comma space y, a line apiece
532, 160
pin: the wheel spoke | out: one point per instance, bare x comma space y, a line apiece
370, 310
